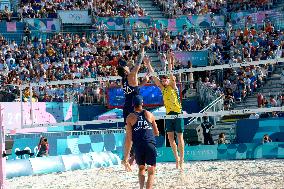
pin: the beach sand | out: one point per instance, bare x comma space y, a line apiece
202, 174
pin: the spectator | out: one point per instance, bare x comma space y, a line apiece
222, 139
266, 139
259, 100
229, 99
272, 101
70, 56
254, 116
274, 115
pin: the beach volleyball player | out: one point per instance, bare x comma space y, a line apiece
171, 98
141, 130
130, 85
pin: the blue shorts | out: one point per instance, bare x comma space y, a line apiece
174, 125
146, 154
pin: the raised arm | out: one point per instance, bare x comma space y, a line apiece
139, 61
151, 70
171, 61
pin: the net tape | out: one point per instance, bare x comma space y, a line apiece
179, 71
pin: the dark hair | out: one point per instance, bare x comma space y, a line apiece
121, 71
221, 135
45, 140
164, 77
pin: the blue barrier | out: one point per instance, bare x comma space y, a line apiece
225, 152
65, 145
17, 168
26, 167
51, 164
47, 165
274, 127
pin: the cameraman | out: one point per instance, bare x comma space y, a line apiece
43, 147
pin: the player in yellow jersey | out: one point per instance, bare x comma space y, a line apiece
173, 107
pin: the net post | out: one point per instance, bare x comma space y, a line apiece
2, 148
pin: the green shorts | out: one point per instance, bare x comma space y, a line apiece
174, 125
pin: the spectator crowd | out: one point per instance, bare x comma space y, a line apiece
49, 9
67, 56
176, 8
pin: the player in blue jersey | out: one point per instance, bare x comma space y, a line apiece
141, 130
130, 83
130, 86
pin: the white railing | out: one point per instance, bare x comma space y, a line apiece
217, 105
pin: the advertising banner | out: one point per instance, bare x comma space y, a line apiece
112, 23
258, 128
225, 152
65, 145
140, 22
240, 18
75, 17
206, 20
43, 24
43, 113
151, 93
197, 58
173, 25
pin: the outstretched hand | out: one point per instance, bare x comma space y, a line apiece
146, 60
126, 165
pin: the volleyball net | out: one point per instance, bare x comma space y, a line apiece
93, 89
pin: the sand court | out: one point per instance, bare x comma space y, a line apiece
201, 174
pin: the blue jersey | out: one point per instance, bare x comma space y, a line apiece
129, 92
142, 131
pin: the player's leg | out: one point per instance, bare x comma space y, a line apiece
171, 137
151, 177
151, 159
179, 127
140, 160
141, 175
126, 112
181, 149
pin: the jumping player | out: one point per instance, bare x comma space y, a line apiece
173, 107
141, 130
130, 86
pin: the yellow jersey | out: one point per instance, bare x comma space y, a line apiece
171, 99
